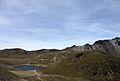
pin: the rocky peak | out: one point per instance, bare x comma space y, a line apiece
102, 42
116, 38
111, 46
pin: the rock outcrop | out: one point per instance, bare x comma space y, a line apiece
107, 46
111, 47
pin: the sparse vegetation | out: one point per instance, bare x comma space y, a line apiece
7, 76
92, 65
70, 64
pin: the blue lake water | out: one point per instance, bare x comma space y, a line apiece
28, 67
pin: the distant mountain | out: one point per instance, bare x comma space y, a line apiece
24, 52
111, 47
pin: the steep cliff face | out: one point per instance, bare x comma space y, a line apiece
107, 46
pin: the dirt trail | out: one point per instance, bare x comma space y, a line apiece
48, 75
23, 79
56, 76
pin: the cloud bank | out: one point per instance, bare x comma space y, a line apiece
36, 24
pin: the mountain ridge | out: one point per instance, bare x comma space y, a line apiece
99, 61
110, 46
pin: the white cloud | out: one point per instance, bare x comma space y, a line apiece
4, 21
57, 23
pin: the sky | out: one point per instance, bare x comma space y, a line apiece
37, 24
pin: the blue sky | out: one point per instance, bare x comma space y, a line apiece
36, 24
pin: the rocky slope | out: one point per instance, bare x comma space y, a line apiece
88, 65
8, 76
111, 47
